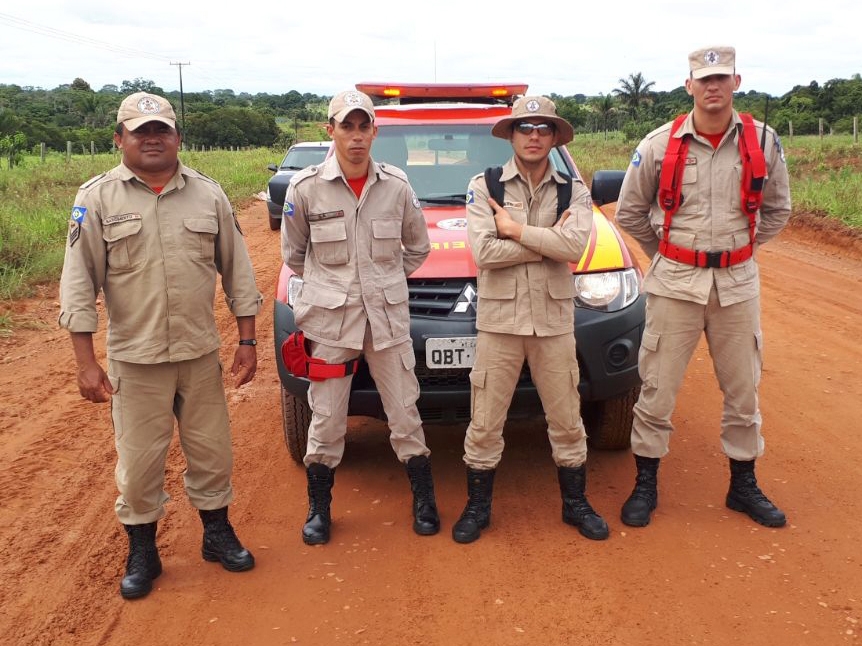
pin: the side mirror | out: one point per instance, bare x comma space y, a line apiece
606, 186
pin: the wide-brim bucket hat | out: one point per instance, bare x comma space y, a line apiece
528, 107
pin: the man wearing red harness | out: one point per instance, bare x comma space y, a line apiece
353, 230
699, 197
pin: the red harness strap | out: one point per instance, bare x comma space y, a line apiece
670, 195
296, 360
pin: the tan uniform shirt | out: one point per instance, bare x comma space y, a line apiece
710, 217
354, 255
526, 287
156, 257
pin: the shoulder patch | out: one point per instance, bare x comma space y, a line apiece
288, 209
471, 197
415, 200
636, 159
79, 213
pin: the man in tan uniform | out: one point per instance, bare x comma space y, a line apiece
153, 235
353, 230
703, 278
526, 311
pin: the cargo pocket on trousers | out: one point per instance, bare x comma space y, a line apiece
410, 392
478, 397
648, 361
758, 363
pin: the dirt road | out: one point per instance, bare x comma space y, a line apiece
699, 574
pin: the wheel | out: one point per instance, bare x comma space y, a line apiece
274, 223
609, 422
296, 418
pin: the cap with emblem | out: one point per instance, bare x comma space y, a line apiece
346, 102
534, 106
142, 107
712, 60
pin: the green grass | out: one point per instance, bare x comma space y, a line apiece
36, 197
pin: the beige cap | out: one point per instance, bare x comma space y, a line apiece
712, 60
141, 107
534, 106
346, 102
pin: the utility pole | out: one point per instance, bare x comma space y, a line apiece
182, 99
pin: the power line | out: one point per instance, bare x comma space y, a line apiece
26, 25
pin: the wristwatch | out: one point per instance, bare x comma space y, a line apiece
248, 341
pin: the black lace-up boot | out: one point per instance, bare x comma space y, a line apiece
644, 498
477, 514
576, 510
745, 496
426, 520
221, 544
143, 564
320, 481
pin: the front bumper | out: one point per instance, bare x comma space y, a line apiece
607, 348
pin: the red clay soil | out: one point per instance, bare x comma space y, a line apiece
698, 574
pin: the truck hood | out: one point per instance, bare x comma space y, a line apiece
450, 255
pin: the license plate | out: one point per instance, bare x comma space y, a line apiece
450, 352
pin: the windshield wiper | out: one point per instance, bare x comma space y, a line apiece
455, 198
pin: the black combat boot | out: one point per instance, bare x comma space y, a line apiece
576, 509
745, 496
143, 564
221, 544
477, 514
644, 498
426, 520
320, 481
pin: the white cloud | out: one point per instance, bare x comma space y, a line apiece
560, 47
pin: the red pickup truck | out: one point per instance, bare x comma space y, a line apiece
440, 135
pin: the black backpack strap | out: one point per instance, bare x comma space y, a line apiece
564, 194
495, 186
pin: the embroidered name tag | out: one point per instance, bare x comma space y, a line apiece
329, 215
513, 205
122, 217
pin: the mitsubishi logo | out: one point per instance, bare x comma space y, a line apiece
466, 301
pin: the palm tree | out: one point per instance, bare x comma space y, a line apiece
604, 107
634, 92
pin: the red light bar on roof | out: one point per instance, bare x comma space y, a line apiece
442, 90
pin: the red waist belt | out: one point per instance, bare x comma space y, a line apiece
704, 259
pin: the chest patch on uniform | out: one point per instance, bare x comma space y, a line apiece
329, 215
122, 217
513, 205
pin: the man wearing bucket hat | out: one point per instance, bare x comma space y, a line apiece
353, 230
526, 312
700, 195
153, 235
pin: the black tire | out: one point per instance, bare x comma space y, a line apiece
274, 223
609, 422
296, 418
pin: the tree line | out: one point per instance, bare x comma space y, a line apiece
222, 118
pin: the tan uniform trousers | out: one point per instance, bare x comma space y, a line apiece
392, 371
673, 330
148, 398
554, 370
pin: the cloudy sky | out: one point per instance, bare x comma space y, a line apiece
561, 47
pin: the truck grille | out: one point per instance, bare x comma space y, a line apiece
436, 297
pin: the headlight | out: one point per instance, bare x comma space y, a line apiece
294, 284
608, 291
